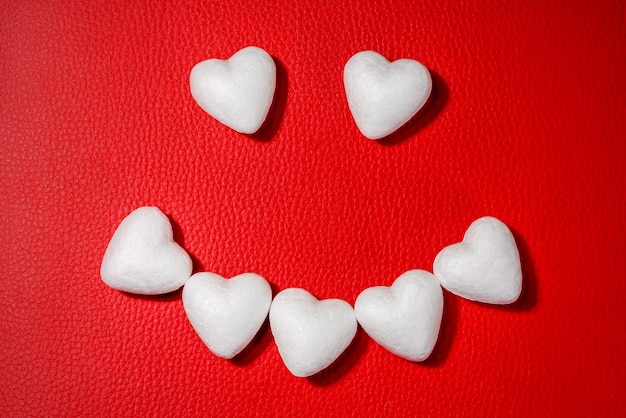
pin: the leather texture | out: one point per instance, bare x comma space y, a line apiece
526, 123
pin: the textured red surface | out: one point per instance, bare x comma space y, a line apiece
526, 124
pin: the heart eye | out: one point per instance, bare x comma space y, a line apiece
384, 95
238, 94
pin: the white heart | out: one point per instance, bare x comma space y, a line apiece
310, 334
142, 256
383, 96
226, 313
405, 317
239, 91
485, 267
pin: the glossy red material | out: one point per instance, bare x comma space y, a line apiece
526, 123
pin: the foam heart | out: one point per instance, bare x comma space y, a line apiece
239, 91
142, 256
485, 267
226, 313
384, 95
405, 317
310, 334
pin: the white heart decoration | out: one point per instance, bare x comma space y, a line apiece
310, 334
405, 317
485, 267
237, 92
384, 95
226, 313
142, 256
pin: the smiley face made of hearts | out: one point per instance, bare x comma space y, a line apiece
311, 334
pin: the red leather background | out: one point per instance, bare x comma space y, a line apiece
526, 123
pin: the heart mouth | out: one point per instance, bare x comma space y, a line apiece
312, 343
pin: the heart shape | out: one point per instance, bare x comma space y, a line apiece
384, 95
485, 267
310, 334
239, 91
405, 317
142, 256
226, 313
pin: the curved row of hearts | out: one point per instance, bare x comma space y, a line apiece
310, 334
382, 95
